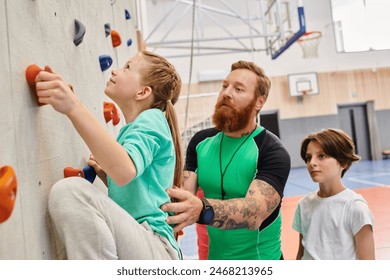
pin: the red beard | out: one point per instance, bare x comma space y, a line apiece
228, 118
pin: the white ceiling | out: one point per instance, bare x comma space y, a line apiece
216, 26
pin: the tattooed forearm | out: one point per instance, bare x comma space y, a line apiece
235, 213
249, 212
270, 195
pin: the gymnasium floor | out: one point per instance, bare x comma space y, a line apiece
369, 178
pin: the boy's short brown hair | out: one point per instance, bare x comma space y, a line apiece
336, 144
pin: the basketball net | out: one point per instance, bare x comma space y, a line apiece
309, 43
304, 93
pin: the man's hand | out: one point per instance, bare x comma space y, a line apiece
187, 209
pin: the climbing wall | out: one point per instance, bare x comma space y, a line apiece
36, 141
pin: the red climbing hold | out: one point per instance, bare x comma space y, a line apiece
111, 113
87, 172
31, 72
116, 38
8, 190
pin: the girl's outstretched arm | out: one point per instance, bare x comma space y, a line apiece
112, 157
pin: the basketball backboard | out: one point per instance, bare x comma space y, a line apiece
285, 23
301, 84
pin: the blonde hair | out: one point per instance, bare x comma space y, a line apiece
161, 76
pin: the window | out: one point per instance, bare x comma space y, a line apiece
361, 25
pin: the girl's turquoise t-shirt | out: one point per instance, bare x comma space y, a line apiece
149, 143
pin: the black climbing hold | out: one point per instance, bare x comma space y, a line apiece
107, 29
127, 14
80, 32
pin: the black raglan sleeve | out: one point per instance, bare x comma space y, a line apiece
191, 161
274, 163
273, 167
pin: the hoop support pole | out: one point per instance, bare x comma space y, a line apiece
296, 36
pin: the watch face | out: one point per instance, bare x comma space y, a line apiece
208, 216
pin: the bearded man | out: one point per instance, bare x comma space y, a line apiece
242, 169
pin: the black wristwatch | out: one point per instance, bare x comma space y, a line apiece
207, 214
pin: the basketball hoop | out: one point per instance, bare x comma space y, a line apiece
303, 94
309, 43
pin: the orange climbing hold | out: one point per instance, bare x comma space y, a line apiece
115, 38
31, 72
111, 113
8, 190
73, 172
87, 173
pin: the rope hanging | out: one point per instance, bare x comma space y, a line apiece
191, 61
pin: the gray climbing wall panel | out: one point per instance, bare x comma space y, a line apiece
37, 141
